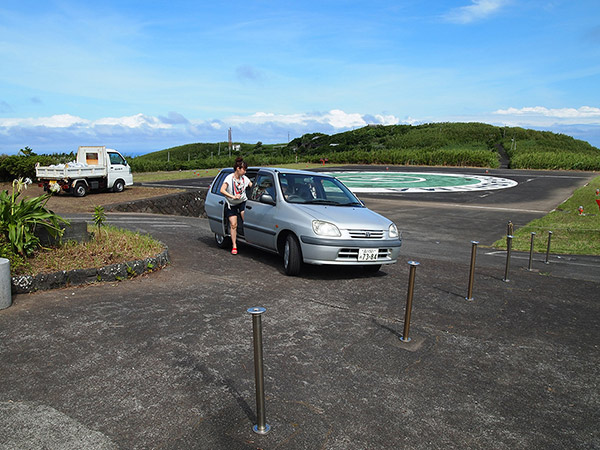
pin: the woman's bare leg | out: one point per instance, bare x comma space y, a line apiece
233, 230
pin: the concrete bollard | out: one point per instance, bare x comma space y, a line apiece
5, 284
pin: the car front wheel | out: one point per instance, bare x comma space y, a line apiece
292, 256
221, 240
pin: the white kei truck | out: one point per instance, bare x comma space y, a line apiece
96, 168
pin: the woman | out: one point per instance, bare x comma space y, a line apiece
234, 190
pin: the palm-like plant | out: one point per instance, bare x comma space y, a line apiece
19, 218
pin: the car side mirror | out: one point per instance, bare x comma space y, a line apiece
266, 198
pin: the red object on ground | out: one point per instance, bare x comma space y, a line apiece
598, 201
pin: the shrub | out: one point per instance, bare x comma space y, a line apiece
19, 218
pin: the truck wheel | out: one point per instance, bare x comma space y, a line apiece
292, 256
80, 189
119, 186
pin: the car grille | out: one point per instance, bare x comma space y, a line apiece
366, 234
352, 253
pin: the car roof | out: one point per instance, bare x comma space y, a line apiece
278, 170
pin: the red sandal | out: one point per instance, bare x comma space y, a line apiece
234, 251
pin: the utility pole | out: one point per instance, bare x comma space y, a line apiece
229, 136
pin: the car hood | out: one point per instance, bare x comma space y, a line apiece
347, 217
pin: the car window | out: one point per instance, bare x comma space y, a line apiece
317, 189
218, 182
263, 185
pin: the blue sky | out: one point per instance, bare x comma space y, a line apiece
143, 76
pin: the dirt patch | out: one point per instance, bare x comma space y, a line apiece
66, 203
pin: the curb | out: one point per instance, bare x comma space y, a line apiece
24, 284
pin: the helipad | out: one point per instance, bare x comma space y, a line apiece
413, 182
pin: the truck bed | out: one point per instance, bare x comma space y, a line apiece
58, 172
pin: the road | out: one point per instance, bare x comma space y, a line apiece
165, 360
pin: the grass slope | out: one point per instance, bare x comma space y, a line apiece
456, 144
572, 233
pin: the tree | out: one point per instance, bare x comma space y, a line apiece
27, 152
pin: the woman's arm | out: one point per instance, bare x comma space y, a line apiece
224, 187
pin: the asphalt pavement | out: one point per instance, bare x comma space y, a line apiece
165, 360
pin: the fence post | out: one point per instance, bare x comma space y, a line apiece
261, 427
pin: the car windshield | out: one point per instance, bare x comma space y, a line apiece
316, 189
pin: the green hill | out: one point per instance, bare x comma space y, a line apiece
452, 144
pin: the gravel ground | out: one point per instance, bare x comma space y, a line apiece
66, 203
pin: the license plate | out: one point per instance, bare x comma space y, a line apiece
368, 254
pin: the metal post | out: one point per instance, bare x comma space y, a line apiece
531, 251
548, 249
472, 271
409, 298
262, 427
509, 228
508, 249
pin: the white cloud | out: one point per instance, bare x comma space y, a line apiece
136, 121
56, 121
144, 133
584, 112
478, 10
335, 118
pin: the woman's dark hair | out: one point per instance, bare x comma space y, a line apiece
239, 162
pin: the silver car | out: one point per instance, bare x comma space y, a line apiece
306, 217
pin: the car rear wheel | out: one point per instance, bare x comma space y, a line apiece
292, 256
221, 240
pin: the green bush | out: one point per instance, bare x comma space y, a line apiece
555, 161
18, 263
19, 218
21, 166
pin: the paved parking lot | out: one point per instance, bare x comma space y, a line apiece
165, 360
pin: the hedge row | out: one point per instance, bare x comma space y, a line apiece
555, 161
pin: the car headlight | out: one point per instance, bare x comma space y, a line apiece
393, 231
325, 228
